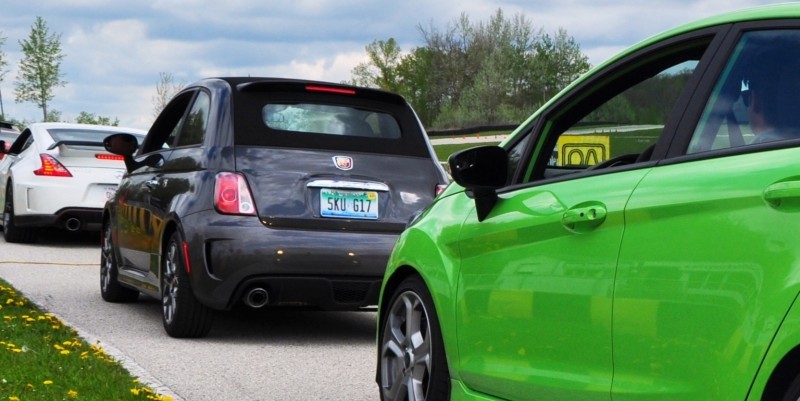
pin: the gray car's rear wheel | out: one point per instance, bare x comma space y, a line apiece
11, 232
183, 315
110, 288
412, 362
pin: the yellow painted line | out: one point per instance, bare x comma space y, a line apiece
14, 262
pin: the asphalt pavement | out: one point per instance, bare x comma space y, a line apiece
249, 354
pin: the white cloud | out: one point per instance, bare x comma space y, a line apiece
115, 49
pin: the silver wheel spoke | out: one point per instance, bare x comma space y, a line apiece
170, 284
406, 350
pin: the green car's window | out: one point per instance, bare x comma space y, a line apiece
755, 99
619, 117
625, 125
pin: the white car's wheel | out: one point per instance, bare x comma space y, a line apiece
10, 229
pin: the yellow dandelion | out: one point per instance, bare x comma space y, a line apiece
58, 347
67, 343
84, 354
135, 391
65, 352
9, 301
17, 350
72, 394
29, 386
47, 382
12, 398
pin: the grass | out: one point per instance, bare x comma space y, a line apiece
41, 359
444, 151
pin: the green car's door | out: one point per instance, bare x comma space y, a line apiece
534, 320
705, 275
710, 260
536, 281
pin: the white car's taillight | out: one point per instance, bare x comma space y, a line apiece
51, 167
232, 195
439, 189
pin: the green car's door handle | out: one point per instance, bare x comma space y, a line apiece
584, 218
783, 195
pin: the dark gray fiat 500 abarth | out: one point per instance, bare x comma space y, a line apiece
264, 192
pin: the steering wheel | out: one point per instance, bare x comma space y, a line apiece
620, 160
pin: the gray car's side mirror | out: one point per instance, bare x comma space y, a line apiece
481, 170
126, 145
121, 144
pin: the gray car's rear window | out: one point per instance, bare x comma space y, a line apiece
303, 118
285, 114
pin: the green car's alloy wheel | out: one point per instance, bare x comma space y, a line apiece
11, 232
183, 315
412, 365
110, 288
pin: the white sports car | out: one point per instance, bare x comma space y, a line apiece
58, 175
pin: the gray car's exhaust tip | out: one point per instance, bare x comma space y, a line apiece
256, 297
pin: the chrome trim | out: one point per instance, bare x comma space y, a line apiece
338, 184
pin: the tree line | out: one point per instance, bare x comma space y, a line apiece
467, 74
484, 73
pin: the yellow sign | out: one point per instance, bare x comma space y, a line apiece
582, 150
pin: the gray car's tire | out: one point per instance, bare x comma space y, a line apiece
412, 364
183, 315
11, 232
110, 288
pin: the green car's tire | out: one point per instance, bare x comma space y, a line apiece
412, 365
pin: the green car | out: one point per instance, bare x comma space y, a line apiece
637, 238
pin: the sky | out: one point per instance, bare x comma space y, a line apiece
115, 50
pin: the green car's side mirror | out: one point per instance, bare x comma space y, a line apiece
481, 170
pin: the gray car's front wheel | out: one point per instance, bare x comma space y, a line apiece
183, 315
412, 364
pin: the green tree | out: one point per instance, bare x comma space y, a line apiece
381, 71
560, 61
493, 72
90, 118
40, 69
53, 116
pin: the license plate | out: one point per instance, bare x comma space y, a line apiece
348, 204
109, 193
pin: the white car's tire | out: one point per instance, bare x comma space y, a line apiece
11, 232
